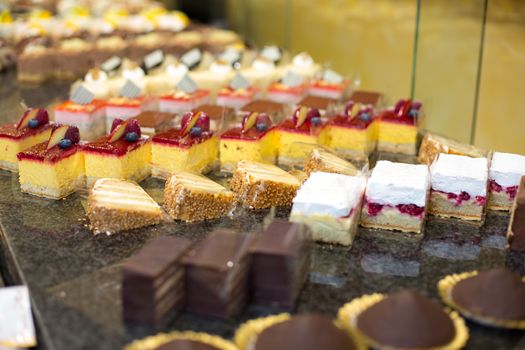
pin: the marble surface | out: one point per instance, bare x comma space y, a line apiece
74, 277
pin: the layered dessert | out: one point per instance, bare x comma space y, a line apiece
192, 147
304, 65
218, 114
459, 187
35, 63
432, 145
127, 107
261, 73
352, 134
216, 77
259, 185
516, 230
107, 47
96, 81
254, 140
322, 160
397, 128
123, 154
238, 93
367, 98
191, 198
291, 89
396, 197
330, 205
161, 79
53, 169
280, 259
217, 274
152, 122
274, 109
117, 205
185, 98
506, 170
330, 85
153, 280
72, 58
33, 128
297, 134
324, 104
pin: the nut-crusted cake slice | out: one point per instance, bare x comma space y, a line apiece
321, 160
117, 205
432, 145
259, 185
191, 197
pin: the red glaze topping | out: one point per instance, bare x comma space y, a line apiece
71, 106
10, 131
117, 148
305, 128
53, 155
391, 117
354, 123
177, 138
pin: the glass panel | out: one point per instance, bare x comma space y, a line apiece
501, 111
447, 61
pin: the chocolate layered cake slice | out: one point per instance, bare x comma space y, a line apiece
153, 280
191, 197
506, 170
259, 185
516, 231
321, 160
217, 274
459, 187
280, 264
396, 197
116, 205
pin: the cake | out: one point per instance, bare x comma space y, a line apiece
123, 154
83, 111
459, 187
107, 47
255, 140
403, 320
330, 205
432, 145
353, 133
33, 128
397, 128
153, 122
216, 77
20, 331
299, 332
217, 271
153, 280
259, 186
72, 58
506, 170
96, 81
191, 197
330, 85
325, 105
322, 160
494, 298
127, 107
238, 93
116, 205
297, 135
35, 63
304, 65
186, 97
261, 73
291, 89
182, 341
280, 264
516, 230
163, 78
191, 147
218, 114
396, 197
53, 169
273, 109
367, 98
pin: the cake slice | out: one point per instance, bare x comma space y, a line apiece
238, 93
432, 145
516, 230
153, 280
260, 186
116, 205
290, 90
506, 170
367, 98
218, 114
191, 197
152, 122
330, 205
53, 169
180, 101
274, 109
398, 127
396, 197
33, 128
331, 85
459, 187
323, 104
322, 160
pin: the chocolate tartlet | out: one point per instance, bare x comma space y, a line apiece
301, 332
494, 298
404, 320
182, 341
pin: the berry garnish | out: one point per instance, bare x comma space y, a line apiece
38, 114
413, 113
65, 143
365, 116
203, 121
261, 127
133, 126
196, 131
189, 119
33, 123
72, 134
249, 120
265, 119
315, 121
131, 137
116, 122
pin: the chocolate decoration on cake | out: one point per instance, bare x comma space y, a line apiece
317, 102
406, 320
264, 106
186, 344
280, 263
215, 112
516, 232
497, 293
304, 332
367, 98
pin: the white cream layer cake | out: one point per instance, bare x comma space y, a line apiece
459, 187
330, 205
396, 197
506, 170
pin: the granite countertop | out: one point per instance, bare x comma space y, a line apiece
74, 277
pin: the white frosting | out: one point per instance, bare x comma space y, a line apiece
507, 168
220, 68
170, 22
17, 330
398, 183
328, 194
455, 174
136, 75
303, 60
263, 65
102, 78
176, 70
